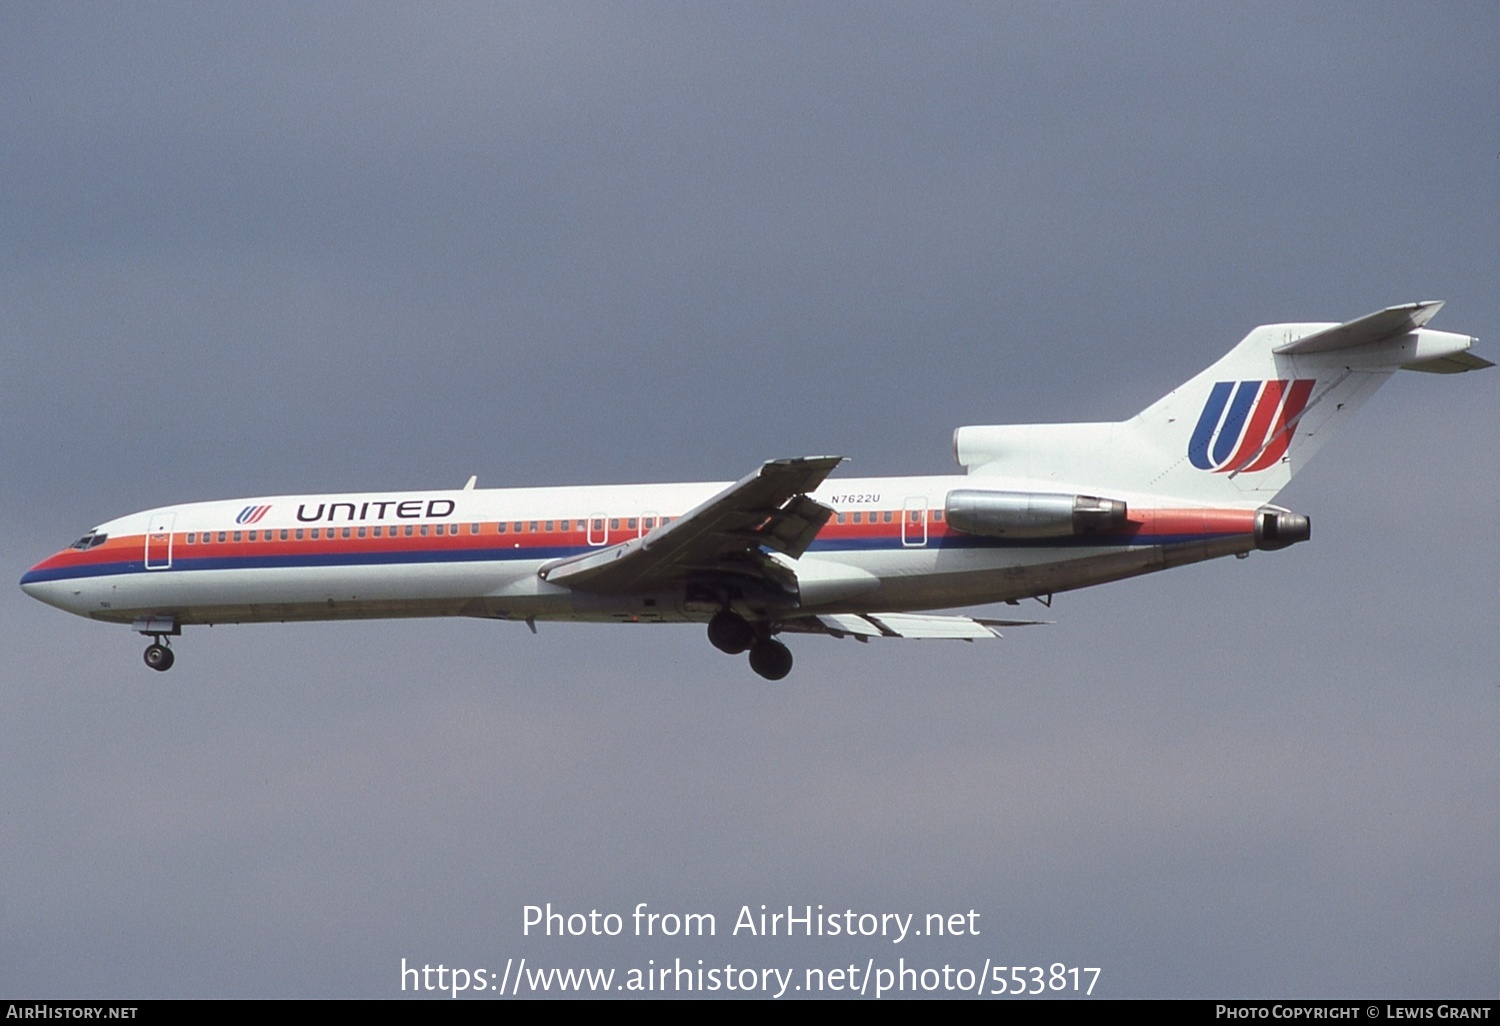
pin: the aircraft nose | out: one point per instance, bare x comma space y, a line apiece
31, 581
38, 582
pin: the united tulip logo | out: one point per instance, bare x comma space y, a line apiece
252, 514
1247, 426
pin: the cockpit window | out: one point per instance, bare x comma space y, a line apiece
89, 541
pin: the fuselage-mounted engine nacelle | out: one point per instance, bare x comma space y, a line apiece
1276, 528
1031, 514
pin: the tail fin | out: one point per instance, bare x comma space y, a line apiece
1237, 432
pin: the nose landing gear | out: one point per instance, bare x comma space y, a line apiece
160, 628
158, 655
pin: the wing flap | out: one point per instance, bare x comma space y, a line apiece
768, 507
918, 625
903, 625
792, 528
839, 624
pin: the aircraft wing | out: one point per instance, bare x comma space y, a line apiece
864, 626
767, 509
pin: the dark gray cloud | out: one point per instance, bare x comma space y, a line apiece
260, 250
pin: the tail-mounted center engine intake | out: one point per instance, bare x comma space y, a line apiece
1276, 529
1032, 514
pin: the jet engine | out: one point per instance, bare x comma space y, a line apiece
1276, 528
1031, 514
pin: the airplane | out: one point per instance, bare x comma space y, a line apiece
787, 549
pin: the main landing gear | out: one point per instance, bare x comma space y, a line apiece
771, 659
731, 633
158, 655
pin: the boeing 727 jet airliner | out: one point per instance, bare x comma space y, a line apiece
1039, 509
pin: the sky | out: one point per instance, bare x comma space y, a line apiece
268, 249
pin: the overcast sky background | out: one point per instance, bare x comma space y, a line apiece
259, 249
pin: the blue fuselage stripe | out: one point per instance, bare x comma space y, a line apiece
408, 557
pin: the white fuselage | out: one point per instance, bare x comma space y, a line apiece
478, 552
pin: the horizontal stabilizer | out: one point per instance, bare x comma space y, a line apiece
1375, 327
1453, 363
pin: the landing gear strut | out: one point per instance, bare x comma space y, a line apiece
158, 655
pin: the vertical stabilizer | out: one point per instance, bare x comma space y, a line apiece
1237, 432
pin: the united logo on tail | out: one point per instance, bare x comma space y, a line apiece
1256, 430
